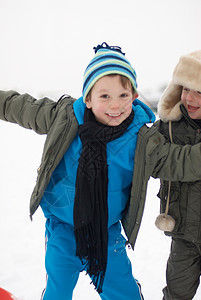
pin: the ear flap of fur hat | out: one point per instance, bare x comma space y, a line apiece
168, 106
187, 73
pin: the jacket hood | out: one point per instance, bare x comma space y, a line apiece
187, 73
147, 110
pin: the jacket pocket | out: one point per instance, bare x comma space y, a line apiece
174, 203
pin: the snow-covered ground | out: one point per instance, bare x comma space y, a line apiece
22, 251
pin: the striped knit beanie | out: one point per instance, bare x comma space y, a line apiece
107, 60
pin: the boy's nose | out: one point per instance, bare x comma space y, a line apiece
190, 95
114, 104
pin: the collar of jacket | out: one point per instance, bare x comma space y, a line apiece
194, 123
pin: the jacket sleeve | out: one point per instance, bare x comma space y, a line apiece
171, 161
28, 112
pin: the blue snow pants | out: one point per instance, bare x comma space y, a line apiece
63, 266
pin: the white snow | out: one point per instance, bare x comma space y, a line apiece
22, 270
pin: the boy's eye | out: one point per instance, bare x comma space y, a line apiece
124, 95
104, 96
187, 90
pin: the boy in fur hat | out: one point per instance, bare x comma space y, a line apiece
97, 159
180, 122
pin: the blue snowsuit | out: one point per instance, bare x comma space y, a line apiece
62, 264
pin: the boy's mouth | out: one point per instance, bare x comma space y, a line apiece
192, 108
114, 115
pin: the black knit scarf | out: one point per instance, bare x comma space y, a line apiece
90, 208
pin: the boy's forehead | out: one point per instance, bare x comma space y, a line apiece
107, 82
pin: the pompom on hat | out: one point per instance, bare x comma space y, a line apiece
107, 60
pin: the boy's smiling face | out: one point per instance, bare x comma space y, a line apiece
192, 101
110, 101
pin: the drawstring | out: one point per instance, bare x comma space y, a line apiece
164, 221
170, 132
169, 185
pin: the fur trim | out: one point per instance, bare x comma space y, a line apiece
186, 73
165, 222
168, 106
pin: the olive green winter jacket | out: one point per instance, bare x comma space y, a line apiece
153, 156
185, 197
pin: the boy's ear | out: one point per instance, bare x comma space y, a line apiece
88, 102
135, 96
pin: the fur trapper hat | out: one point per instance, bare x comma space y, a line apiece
187, 73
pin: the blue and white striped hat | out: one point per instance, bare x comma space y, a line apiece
107, 60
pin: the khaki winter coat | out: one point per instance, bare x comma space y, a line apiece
185, 197
153, 157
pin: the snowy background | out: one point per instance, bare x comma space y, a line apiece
45, 46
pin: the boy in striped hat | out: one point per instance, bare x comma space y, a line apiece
97, 183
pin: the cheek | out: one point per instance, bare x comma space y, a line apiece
183, 98
199, 100
98, 110
99, 107
129, 107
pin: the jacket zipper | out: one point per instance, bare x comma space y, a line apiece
139, 182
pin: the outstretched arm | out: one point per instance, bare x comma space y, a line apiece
27, 111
